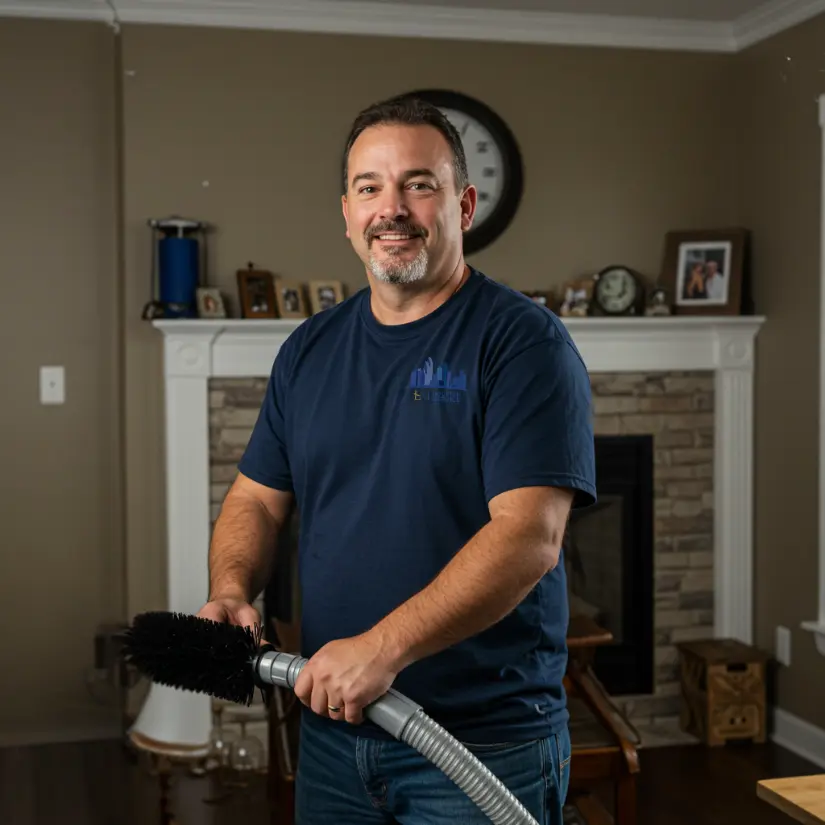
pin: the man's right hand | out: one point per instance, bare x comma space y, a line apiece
231, 610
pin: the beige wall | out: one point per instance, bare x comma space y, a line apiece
61, 533
780, 137
610, 152
619, 146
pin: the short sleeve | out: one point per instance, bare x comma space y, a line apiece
538, 424
266, 459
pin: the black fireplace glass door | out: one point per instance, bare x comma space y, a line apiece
609, 562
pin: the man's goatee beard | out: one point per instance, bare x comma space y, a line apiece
399, 272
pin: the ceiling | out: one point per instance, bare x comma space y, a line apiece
691, 25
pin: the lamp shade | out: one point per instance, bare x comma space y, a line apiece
173, 723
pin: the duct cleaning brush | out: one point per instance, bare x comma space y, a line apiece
196, 654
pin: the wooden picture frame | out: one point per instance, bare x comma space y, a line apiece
290, 298
325, 294
256, 291
705, 272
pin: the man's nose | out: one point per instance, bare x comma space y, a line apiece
393, 206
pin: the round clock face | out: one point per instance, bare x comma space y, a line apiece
616, 290
485, 162
493, 163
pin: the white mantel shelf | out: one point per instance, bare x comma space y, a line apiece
197, 350
238, 347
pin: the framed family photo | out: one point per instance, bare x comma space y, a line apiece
704, 271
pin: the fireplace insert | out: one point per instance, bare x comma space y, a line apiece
608, 553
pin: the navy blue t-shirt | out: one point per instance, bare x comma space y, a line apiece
394, 438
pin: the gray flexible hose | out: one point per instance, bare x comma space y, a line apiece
407, 722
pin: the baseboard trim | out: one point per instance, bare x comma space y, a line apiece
797, 735
59, 735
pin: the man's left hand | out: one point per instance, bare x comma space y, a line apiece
347, 674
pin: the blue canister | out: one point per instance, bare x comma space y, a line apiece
178, 276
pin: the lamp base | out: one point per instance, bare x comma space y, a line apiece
167, 816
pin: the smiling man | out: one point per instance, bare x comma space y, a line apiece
434, 431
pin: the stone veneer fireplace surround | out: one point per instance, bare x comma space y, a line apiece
196, 351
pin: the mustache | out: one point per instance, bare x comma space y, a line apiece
399, 227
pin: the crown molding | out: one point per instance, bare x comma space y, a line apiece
772, 18
69, 10
408, 19
414, 19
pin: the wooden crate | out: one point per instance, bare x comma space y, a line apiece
723, 687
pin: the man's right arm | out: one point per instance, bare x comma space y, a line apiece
243, 549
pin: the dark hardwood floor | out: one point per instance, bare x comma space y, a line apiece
96, 784
713, 786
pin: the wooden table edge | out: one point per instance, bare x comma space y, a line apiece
766, 791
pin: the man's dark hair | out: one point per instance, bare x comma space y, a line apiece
408, 110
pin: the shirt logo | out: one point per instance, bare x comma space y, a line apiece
439, 385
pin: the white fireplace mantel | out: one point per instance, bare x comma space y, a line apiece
197, 350
244, 348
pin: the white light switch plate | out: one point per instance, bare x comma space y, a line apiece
52, 385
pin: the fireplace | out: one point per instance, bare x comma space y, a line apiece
681, 387
609, 562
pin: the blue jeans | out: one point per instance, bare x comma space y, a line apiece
352, 780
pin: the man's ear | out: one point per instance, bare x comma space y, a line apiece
345, 210
468, 203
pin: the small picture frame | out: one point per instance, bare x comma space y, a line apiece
704, 271
290, 299
210, 303
256, 290
325, 294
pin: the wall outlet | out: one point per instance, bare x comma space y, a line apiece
783, 645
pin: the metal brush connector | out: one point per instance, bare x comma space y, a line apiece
274, 667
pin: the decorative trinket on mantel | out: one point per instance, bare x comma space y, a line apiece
657, 303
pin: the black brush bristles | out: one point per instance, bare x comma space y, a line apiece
193, 653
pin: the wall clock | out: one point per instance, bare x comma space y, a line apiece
493, 162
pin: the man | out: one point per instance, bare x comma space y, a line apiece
434, 430
714, 282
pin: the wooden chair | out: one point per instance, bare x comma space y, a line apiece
604, 744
